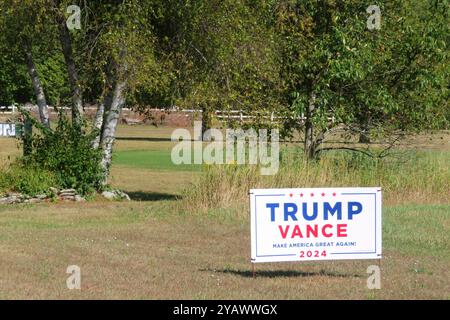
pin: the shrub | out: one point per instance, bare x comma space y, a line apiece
67, 153
26, 180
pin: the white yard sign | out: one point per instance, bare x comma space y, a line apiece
7, 130
315, 224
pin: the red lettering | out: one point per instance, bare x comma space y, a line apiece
314, 231
297, 232
342, 230
283, 232
325, 234
310, 230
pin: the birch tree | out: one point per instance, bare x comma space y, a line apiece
23, 25
121, 48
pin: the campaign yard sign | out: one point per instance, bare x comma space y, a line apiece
315, 224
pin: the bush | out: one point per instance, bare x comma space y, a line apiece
27, 180
67, 153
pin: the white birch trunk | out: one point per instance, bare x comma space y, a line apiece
110, 121
98, 123
38, 89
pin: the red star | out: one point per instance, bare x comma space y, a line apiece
323, 194
312, 194
290, 195
334, 194
301, 194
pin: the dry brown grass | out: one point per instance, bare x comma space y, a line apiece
143, 251
152, 250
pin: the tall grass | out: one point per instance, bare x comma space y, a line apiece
406, 177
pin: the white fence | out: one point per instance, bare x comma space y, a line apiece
241, 116
13, 109
223, 115
8, 109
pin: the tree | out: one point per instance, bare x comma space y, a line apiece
120, 48
223, 54
65, 39
115, 48
300, 57
336, 67
22, 22
14, 77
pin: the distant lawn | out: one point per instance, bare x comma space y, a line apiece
420, 230
150, 159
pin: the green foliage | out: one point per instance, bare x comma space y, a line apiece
26, 23
26, 179
389, 78
54, 79
66, 151
122, 33
14, 81
223, 54
255, 55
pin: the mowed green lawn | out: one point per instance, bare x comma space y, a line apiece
150, 159
150, 248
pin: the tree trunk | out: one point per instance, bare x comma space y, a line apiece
364, 132
206, 123
77, 99
309, 132
364, 137
110, 121
107, 98
37, 86
98, 123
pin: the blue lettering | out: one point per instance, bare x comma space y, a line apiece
305, 212
290, 213
327, 208
272, 207
352, 211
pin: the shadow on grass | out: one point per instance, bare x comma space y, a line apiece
151, 196
282, 273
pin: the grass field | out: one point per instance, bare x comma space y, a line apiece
152, 248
